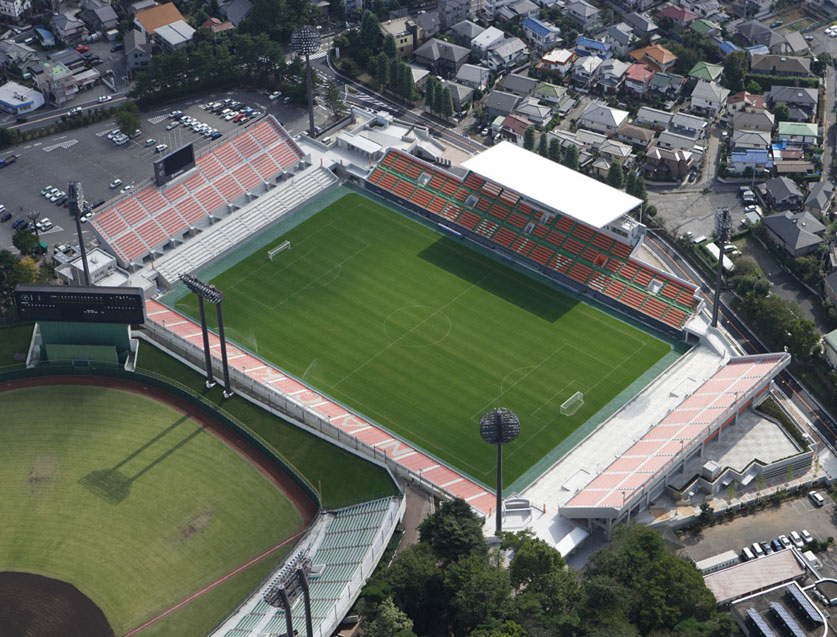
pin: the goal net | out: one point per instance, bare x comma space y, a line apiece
285, 245
572, 404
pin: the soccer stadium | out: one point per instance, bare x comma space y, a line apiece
383, 300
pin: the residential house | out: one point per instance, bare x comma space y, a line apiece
137, 50
784, 65
706, 71
552, 93
541, 35
688, 125
634, 135
513, 129
15, 11
215, 26
705, 8
801, 102
584, 13
18, 99
405, 32
781, 193
620, 37
652, 118
755, 160
420, 75
743, 140
754, 120
67, 29
442, 58
612, 73
429, 24
613, 150
56, 82
485, 40
797, 234
490, 9
829, 341
600, 117
793, 168
139, 5
656, 56
521, 9
819, 200
507, 54
460, 94
679, 15
560, 60
667, 164
520, 85
465, 31
499, 103
589, 46
795, 44
98, 16
726, 47
673, 141
638, 78
538, 114
667, 85
585, 70
642, 24
452, 12
798, 134
171, 37
150, 19
474, 76
236, 11
16, 55
635, 5
709, 98
744, 101
755, 33
705, 28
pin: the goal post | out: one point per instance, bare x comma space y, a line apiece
572, 404
285, 245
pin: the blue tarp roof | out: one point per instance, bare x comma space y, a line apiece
728, 47
46, 37
754, 156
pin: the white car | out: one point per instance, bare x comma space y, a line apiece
150, 142
785, 541
115, 184
56, 196
47, 190
44, 224
126, 188
806, 537
274, 95
161, 147
105, 98
796, 539
85, 217
113, 133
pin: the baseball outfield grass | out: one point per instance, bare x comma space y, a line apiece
133, 502
424, 334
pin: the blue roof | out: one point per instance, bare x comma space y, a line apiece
46, 37
590, 43
538, 27
728, 47
755, 156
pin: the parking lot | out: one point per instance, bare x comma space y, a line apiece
694, 211
86, 155
766, 525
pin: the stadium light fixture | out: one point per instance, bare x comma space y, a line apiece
723, 229
205, 291
283, 593
76, 197
306, 41
498, 426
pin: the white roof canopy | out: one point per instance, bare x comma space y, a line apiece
552, 185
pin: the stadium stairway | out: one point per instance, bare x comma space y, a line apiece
546, 240
221, 237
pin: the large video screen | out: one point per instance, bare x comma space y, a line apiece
174, 164
80, 305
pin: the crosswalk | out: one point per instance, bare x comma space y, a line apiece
318, 55
371, 101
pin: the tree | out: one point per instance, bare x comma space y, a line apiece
529, 138
554, 150
417, 585
382, 69
430, 92
639, 188
333, 99
25, 241
571, 156
735, 68
453, 532
406, 84
615, 175
782, 112
437, 97
390, 621
753, 87
389, 46
803, 337
446, 106
543, 149
370, 31
8, 136
127, 117
479, 589
706, 513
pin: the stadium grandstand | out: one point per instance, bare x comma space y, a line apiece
561, 223
151, 220
343, 547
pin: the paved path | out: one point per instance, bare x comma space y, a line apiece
365, 432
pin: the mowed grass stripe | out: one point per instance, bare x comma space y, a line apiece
423, 334
179, 510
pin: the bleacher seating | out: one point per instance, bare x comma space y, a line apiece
150, 218
558, 242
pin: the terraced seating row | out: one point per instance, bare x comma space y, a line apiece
151, 218
551, 240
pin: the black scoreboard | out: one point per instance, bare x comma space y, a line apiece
80, 304
175, 163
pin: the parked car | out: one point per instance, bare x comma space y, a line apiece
161, 147
766, 548
125, 189
150, 142
115, 184
104, 98
44, 224
806, 537
82, 48
816, 498
46, 190
275, 95
96, 204
19, 223
5, 216
776, 545
785, 541
62, 201
74, 111
172, 125
796, 539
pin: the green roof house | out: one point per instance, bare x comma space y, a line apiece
796, 134
704, 27
706, 71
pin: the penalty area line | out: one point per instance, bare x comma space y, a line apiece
212, 585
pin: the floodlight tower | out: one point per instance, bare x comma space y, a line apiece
496, 427
214, 296
76, 197
306, 41
723, 229
285, 589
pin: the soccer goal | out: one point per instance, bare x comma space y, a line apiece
285, 245
572, 404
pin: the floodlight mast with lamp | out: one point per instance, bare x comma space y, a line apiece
214, 296
497, 426
306, 41
75, 194
723, 229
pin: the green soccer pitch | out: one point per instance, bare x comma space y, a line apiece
424, 334
134, 503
